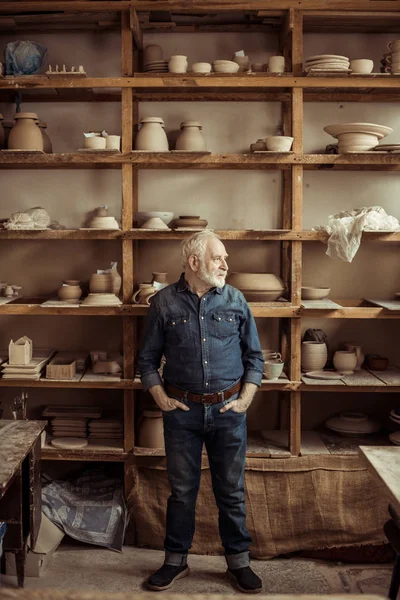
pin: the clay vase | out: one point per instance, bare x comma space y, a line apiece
151, 429
151, 136
191, 137
345, 361
47, 145
178, 64
2, 133
117, 279
7, 126
359, 353
313, 356
25, 135
70, 290
144, 294
101, 283
159, 281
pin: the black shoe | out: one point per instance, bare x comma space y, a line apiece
165, 576
246, 580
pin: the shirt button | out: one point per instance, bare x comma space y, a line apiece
219, 318
173, 323
229, 319
205, 362
202, 318
204, 339
206, 383
184, 320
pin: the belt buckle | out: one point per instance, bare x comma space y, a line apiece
205, 402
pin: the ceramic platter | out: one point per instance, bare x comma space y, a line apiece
191, 151
330, 375
96, 150
387, 147
273, 152
322, 56
379, 130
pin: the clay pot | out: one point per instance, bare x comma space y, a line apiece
191, 137
7, 126
202, 68
101, 283
47, 145
178, 64
2, 133
113, 142
262, 282
276, 64
377, 363
313, 356
151, 429
243, 62
159, 281
25, 135
70, 290
359, 354
361, 65
279, 143
144, 294
152, 53
95, 143
190, 221
151, 136
345, 361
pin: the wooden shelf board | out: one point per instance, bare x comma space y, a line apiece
93, 452
61, 234
32, 307
25, 383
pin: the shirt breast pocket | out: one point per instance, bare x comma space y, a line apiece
225, 324
178, 329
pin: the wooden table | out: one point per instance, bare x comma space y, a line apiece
50, 594
384, 464
20, 492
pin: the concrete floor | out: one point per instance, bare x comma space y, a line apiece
89, 568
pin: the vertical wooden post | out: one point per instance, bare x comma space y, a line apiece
295, 423
127, 220
296, 21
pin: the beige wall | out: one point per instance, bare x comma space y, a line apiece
230, 199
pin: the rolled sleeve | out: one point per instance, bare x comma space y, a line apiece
252, 357
150, 354
251, 376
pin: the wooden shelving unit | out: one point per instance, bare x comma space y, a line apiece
288, 17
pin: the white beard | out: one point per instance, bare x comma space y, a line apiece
213, 280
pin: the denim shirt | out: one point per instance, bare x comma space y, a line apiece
209, 343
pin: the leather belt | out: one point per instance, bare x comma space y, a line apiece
203, 398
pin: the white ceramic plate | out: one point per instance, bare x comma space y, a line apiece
388, 147
322, 56
338, 128
323, 375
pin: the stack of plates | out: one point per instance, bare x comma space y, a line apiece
31, 371
102, 300
395, 438
329, 63
352, 424
69, 427
106, 428
395, 415
156, 66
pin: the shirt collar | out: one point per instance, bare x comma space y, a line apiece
182, 285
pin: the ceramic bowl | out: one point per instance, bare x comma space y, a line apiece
141, 217
258, 145
154, 223
101, 300
377, 363
353, 423
203, 68
227, 67
345, 361
314, 293
253, 282
95, 143
361, 65
189, 221
262, 296
279, 143
103, 223
380, 130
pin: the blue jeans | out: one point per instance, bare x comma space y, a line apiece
224, 435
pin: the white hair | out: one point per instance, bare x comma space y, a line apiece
196, 245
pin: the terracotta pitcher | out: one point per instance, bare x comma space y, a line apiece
25, 135
151, 429
144, 294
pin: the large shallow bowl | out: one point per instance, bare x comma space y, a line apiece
142, 217
380, 130
228, 67
262, 296
314, 293
263, 282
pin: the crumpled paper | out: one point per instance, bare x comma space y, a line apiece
345, 229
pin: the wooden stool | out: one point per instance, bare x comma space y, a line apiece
392, 532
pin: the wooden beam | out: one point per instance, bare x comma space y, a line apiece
135, 28
295, 424
296, 18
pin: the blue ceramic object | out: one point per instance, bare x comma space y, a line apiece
25, 58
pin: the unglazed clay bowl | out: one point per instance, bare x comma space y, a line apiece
203, 68
361, 65
226, 67
263, 282
141, 217
189, 221
258, 145
101, 283
261, 296
314, 293
377, 363
279, 143
154, 223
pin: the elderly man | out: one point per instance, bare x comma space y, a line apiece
214, 365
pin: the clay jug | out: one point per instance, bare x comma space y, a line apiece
151, 429
70, 290
159, 281
144, 294
151, 136
359, 353
25, 135
117, 280
191, 137
2, 133
47, 145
